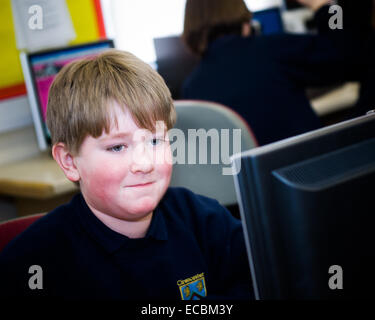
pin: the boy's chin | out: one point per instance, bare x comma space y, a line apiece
141, 209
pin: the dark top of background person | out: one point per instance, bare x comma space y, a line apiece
360, 16
264, 78
357, 14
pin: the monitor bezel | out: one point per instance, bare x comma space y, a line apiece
275, 146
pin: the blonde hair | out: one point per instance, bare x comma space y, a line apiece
205, 19
83, 92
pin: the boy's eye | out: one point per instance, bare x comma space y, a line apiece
117, 148
156, 141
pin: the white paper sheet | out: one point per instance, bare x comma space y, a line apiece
42, 24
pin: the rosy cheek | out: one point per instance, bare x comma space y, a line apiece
168, 165
101, 178
165, 161
97, 192
168, 155
168, 168
165, 172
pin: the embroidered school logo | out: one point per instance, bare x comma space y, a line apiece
193, 288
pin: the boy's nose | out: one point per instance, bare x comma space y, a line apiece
142, 161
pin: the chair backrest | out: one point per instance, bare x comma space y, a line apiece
204, 122
10, 229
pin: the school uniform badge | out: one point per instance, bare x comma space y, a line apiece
193, 288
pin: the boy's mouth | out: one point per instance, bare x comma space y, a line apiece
140, 185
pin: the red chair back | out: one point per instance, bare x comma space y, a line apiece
10, 229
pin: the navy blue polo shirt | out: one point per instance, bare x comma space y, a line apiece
193, 249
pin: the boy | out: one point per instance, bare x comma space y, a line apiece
126, 236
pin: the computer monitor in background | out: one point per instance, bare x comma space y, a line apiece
308, 211
174, 62
292, 4
269, 21
40, 68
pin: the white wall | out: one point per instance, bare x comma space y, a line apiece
17, 141
134, 24
14, 113
17, 136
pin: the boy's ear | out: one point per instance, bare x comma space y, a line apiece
65, 160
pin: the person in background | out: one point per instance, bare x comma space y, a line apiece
264, 78
360, 17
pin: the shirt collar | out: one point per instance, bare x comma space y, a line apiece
158, 228
112, 240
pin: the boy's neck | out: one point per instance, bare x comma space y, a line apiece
131, 229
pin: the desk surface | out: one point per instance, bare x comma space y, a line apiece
339, 99
38, 177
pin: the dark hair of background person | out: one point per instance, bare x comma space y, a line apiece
208, 20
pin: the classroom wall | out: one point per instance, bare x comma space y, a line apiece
17, 137
15, 116
17, 141
88, 24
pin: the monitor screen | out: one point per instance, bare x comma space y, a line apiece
269, 20
307, 209
40, 68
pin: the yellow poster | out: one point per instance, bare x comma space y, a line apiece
10, 66
85, 23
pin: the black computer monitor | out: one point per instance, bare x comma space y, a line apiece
174, 62
292, 4
308, 211
40, 68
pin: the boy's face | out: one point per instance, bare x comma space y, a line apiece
126, 172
